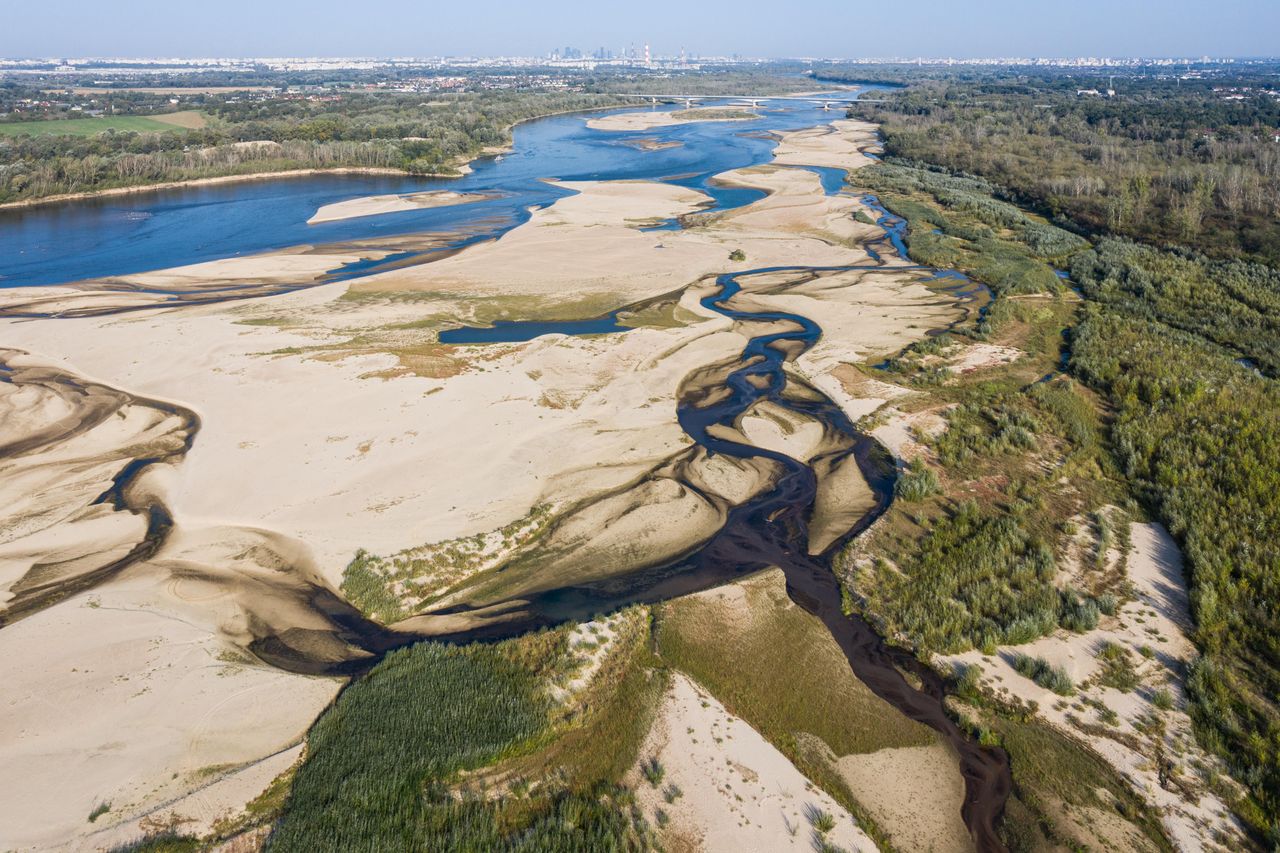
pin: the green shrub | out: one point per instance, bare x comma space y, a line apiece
917, 483
1040, 671
653, 771
1077, 613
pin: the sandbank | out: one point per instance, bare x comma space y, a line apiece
376, 205
740, 792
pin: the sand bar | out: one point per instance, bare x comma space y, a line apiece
376, 205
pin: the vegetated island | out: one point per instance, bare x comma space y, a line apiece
649, 120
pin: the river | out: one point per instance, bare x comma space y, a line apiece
118, 235
71, 242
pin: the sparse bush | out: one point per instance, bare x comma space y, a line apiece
969, 681
1077, 613
1117, 669
1040, 671
653, 771
917, 483
99, 810
822, 820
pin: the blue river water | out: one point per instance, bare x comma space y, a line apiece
117, 235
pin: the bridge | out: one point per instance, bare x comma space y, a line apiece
827, 102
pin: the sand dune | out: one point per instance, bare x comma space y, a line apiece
740, 793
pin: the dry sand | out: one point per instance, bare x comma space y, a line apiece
915, 792
375, 205
838, 145
330, 424
128, 695
739, 792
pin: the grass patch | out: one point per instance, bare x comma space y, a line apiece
714, 114
1050, 771
95, 125
392, 588
776, 666
601, 737
1040, 671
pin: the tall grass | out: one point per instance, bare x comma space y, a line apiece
1040, 671
384, 763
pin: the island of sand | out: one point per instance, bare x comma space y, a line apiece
376, 205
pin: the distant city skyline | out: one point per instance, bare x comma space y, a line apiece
804, 28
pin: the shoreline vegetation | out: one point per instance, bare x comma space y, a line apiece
270, 169
1154, 388
266, 158
244, 177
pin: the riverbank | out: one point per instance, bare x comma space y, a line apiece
462, 166
200, 182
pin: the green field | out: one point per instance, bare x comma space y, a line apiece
92, 126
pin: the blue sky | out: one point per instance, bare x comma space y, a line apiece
750, 27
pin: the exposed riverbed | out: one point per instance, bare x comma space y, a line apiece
771, 527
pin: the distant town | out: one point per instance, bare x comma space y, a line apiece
632, 56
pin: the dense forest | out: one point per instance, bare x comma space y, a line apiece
1193, 163
381, 131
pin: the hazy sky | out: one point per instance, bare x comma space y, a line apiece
530, 27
